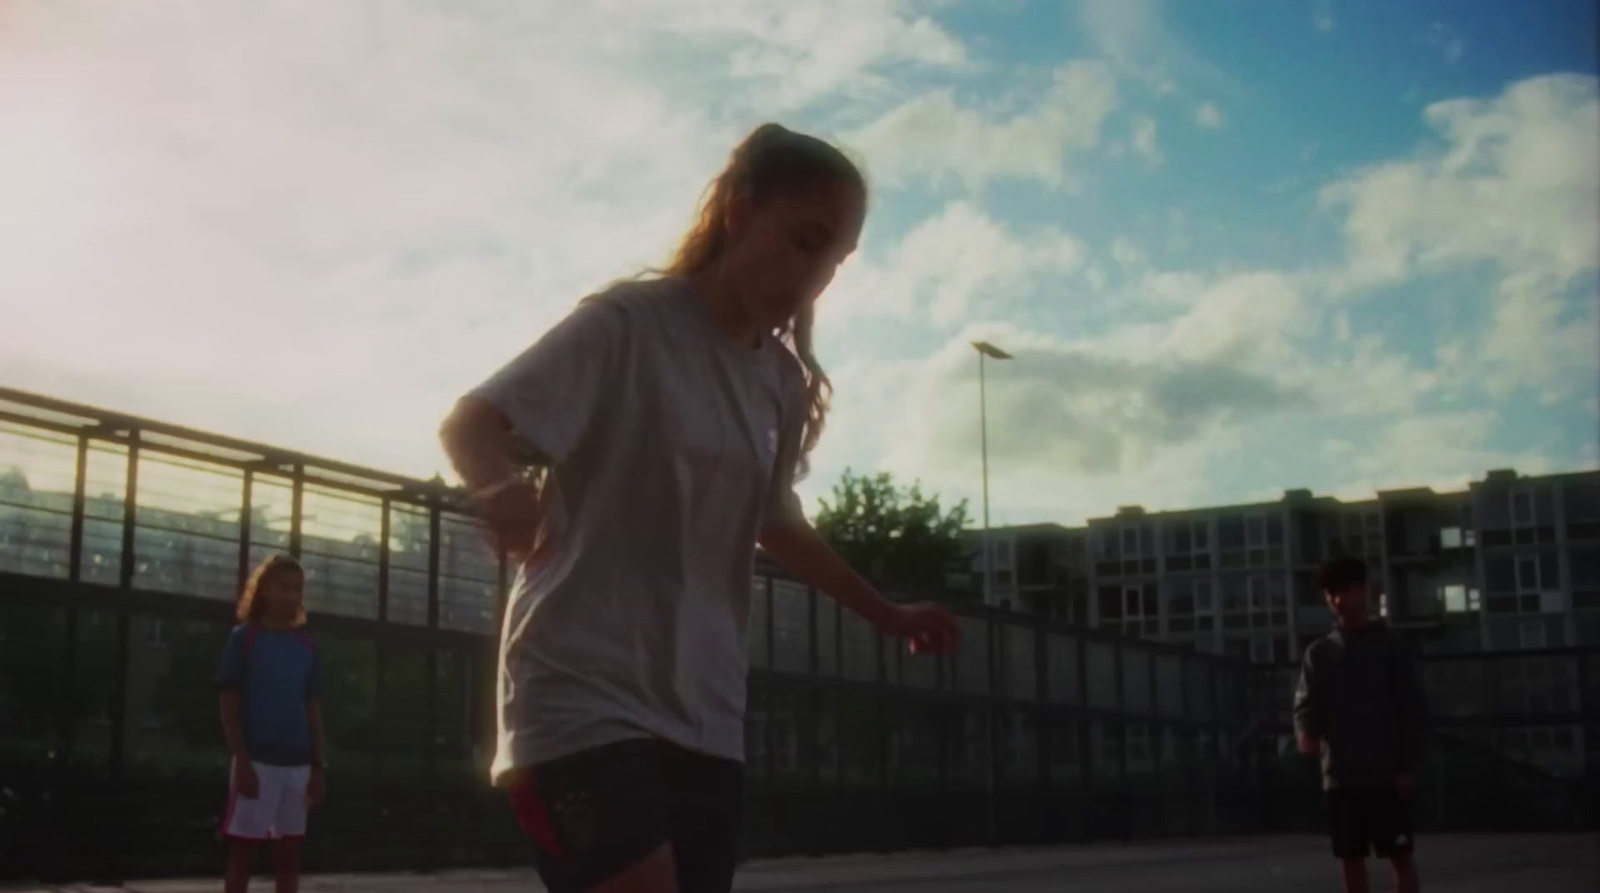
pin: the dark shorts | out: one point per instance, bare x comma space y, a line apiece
1363, 820
594, 814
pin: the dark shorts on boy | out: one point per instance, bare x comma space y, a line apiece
1363, 821
594, 814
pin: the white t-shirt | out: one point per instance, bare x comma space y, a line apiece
670, 447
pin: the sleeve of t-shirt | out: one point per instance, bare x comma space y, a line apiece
783, 504
314, 678
230, 670
552, 391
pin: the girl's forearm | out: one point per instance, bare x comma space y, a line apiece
478, 442
798, 547
233, 724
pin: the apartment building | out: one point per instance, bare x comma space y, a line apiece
1038, 568
1513, 562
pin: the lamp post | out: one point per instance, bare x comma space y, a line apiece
986, 351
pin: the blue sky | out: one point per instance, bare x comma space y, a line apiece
1237, 247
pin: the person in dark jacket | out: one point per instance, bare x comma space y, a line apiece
1359, 706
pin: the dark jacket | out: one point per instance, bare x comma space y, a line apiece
1360, 692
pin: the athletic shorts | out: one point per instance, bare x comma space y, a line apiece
1363, 820
598, 812
277, 810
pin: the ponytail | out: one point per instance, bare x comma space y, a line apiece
772, 160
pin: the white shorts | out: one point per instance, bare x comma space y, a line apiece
277, 810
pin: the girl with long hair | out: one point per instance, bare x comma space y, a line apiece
270, 679
668, 419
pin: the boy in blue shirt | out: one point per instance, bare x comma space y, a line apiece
271, 687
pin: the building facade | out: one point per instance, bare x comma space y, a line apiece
1511, 563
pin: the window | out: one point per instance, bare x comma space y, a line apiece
1258, 593
1552, 601
1105, 545
1000, 554
1130, 542
1180, 598
154, 634
1110, 603
1202, 596
1202, 536
1533, 573
1132, 598
1522, 508
1584, 568
1459, 599
1532, 634
1255, 529
1235, 594
1527, 574
1178, 537
1583, 500
1230, 533
1549, 570
1500, 575
1450, 538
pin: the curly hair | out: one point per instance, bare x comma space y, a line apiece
250, 608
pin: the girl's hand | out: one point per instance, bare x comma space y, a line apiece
513, 515
928, 627
245, 782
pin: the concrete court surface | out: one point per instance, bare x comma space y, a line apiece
1564, 863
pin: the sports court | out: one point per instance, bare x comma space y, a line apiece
1479, 863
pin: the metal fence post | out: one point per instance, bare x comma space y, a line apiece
384, 508
246, 517
297, 510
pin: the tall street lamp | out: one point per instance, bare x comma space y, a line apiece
986, 351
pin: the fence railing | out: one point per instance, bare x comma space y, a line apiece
124, 541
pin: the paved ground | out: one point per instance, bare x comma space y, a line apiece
1456, 864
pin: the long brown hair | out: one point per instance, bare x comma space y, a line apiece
250, 608
772, 160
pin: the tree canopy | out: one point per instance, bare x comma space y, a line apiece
897, 535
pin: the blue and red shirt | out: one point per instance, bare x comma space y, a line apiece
276, 673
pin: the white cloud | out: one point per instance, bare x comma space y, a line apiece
1322, 15
1126, 253
1131, 35
1073, 422
1444, 450
800, 52
1207, 115
934, 138
1144, 140
1540, 340
952, 265
1071, 429
1449, 42
297, 200
1514, 185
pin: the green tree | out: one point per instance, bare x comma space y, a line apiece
899, 536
